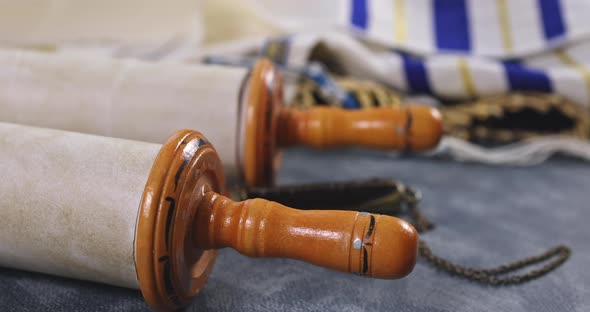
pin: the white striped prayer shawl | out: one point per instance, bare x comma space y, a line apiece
496, 28
471, 48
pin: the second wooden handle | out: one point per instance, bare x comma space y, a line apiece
413, 128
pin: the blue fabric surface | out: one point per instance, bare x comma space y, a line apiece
484, 216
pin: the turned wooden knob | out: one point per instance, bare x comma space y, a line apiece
366, 244
269, 125
184, 218
414, 128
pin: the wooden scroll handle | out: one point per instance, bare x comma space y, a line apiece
183, 219
414, 128
371, 245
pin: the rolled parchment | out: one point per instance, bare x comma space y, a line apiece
150, 216
68, 202
241, 110
124, 99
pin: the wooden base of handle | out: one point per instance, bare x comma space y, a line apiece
170, 271
261, 101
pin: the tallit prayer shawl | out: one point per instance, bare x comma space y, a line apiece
501, 45
452, 76
462, 49
498, 28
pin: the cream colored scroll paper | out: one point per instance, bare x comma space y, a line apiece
123, 98
69, 202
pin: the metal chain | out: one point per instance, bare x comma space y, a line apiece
493, 276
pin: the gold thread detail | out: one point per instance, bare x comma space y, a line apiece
505, 25
466, 77
401, 32
568, 60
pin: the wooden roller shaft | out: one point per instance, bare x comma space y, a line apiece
146, 216
240, 110
412, 128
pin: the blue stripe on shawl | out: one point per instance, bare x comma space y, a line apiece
359, 16
551, 18
416, 74
523, 78
451, 25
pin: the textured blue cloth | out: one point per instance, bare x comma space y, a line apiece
484, 216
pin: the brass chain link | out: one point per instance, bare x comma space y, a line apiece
498, 276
